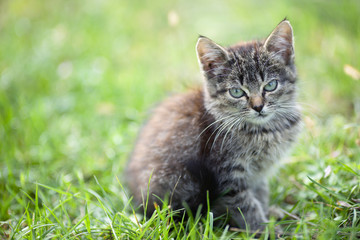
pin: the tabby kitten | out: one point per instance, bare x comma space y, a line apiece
225, 138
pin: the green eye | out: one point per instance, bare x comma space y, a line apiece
236, 92
271, 86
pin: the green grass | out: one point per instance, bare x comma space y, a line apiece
77, 80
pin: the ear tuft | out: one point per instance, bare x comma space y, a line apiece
211, 56
281, 42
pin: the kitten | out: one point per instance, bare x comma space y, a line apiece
225, 138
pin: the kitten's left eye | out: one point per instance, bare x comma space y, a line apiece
271, 86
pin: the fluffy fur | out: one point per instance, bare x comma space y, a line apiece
225, 138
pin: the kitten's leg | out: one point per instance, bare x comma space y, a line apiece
261, 192
177, 189
244, 209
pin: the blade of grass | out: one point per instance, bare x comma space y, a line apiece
54, 189
106, 196
349, 169
87, 220
328, 190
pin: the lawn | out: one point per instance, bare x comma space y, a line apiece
79, 78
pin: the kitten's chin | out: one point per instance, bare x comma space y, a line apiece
259, 119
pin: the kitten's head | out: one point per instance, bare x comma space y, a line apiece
252, 82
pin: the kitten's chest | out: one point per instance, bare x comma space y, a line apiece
254, 150
252, 155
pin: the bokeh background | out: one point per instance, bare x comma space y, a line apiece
78, 78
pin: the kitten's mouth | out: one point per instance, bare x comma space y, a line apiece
260, 118
261, 114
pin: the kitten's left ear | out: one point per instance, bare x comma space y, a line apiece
281, 43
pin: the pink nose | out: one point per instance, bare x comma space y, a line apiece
257, 103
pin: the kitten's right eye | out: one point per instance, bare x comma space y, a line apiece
236, 92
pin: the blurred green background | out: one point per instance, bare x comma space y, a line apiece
78, 78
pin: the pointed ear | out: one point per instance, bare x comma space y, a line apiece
281, 43
211, 56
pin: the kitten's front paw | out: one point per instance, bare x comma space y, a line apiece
261, 229
278, 231
275, 212
257, 224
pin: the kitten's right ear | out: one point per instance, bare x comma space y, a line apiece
211, 56
281, 43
